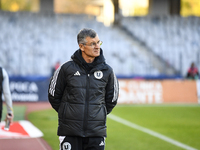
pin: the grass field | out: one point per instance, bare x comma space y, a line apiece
180, 123
19, 112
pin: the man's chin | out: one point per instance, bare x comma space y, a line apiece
97, 53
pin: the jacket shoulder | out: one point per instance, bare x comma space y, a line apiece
109, 67
67, 64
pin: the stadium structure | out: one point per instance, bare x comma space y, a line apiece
150, 55
161, 43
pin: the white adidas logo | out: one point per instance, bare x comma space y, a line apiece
77, 73
102, 143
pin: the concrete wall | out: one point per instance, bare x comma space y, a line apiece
164, 7
159, 7
46, 5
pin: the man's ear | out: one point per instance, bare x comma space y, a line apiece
81, 46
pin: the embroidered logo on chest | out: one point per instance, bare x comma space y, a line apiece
98, 74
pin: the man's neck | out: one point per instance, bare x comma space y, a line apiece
88, 59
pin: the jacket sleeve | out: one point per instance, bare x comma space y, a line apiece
6, 91
56, 88
112, 92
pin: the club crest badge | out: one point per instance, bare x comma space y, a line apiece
67, 146
98, 74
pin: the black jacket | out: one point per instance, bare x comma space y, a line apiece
83, 94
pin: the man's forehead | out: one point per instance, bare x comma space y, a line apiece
89, 39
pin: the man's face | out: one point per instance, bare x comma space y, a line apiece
91, 48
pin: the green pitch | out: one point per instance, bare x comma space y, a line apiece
180, 123
19, 112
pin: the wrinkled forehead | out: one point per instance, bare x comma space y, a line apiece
90, 39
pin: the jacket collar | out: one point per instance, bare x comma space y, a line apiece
98, 61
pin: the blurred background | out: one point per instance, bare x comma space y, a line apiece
141, 38
150, 44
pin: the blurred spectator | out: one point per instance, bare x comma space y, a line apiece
193, 72
5, 90
55, 67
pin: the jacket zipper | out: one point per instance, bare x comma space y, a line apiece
85, 121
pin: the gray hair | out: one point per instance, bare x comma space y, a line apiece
83, 33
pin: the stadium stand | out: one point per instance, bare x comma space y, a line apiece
32, 42
173, 38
